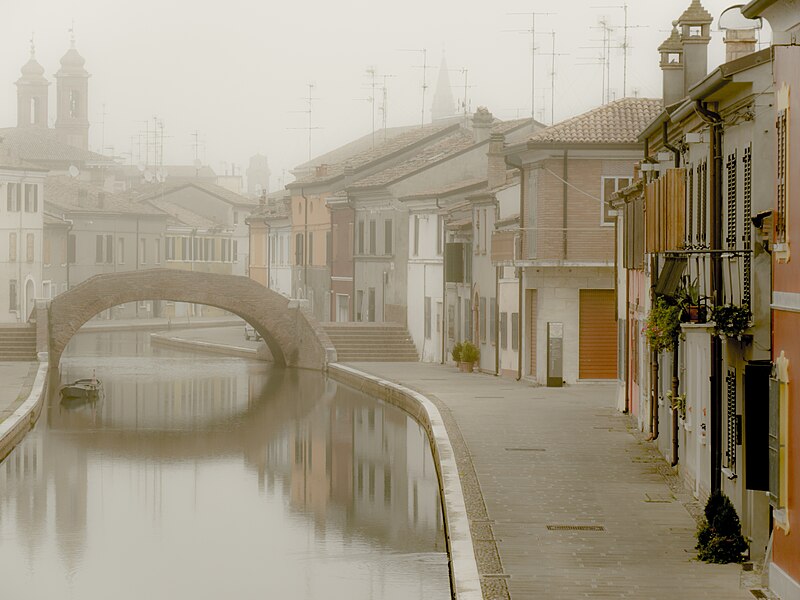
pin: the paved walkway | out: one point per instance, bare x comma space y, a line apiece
16, 379
576, 504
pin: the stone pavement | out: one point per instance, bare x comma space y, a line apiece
574, 502
16, 380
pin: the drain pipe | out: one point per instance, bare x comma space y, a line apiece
653, 357
714, 120
675, 151
497, 320
674, 390
444, 282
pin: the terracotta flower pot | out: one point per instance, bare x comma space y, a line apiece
466, 367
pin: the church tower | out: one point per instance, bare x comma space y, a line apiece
32, 94
72, 104
443, 104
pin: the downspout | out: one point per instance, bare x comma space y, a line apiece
653, 356
305, 244
352, 311
497, 320
444, 283
714, 214
565, 193
520, 271
665, 140
674, 390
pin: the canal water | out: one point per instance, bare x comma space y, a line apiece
205, 477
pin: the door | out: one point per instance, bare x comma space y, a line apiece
532, 298
342, 307
597, 352
371, 308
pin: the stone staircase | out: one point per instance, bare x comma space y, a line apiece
374, 342
17, 342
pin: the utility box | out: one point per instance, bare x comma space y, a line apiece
555, 354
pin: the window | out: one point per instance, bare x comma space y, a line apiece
299, 244
477, 235
504, 330
732, 423
110, 249
142, 252
492, 320
121, 250
13, 297
98, 249
608, 186
158, 251
468, 320
371, 306
46, 251
235, 217
416, 235
782, 173
31, 198
485, 245
387, 236
328, 247
74, 104
12, 247
13, 197
361, 237
186, 249
359, 305
482, 316
235, 251
515, 331
29, 245
427, 317
310, 258
439, 235
71, 249
730, 165
373, 237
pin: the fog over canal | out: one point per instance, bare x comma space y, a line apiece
198, 476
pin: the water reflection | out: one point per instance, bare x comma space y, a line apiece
208, 477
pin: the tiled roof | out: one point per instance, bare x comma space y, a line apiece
464, 185
618, 122
172, 171
64, 194
158, 190
34, 144
275, 208
55, 220
397, 144
181, 215
10, 160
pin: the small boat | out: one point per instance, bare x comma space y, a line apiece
82, 389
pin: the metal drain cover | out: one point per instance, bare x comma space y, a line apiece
576, 528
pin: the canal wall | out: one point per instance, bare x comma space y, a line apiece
182, 343
464, 578
24, 417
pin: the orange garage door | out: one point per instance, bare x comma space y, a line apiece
598, 335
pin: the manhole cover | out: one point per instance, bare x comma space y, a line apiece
576, 528
525, 449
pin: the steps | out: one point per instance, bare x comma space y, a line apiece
18, 343
371, 342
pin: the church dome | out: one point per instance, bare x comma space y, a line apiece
32, 68
72, 59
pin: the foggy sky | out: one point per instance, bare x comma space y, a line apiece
237, 71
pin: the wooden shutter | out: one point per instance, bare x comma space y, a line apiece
598, 335
532, 310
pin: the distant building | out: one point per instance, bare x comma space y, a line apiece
443, 106
258, 175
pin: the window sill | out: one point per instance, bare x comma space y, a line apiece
781, 519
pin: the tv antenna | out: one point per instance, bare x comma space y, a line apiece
384, 107
552, 54
625, 44
310, 128
424, 68
532, 32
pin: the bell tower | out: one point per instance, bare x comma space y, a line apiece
32, 94
72, 104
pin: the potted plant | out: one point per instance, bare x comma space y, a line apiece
470, 354
662, 325
678, 403
731, 320
719, 536
689, 299
456, 352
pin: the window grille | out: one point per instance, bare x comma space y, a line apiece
689, 207
731, 421
702, 209
782, 150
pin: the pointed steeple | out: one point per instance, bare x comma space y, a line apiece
72, 104
443, 104
32, 93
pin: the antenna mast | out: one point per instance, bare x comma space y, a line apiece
625, 45
310, 126
424, 68
532, 31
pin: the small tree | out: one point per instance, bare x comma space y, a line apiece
456, 351
470, 353
719, 537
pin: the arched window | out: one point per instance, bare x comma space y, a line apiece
74, 103
34, 115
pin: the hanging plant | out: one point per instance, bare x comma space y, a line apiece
662, 325
731, 320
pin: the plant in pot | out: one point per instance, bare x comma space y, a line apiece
663, 324
456, 352
731, 320
719, 536
470, 354
689, 300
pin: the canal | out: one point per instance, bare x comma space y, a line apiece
198, 476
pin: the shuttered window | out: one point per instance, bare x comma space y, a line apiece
597, 352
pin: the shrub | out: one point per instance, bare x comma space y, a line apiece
470, 353
719, 537
663, 325
456, 351
731, 320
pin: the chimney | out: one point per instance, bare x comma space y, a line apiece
695, 26
496, 171
348, 175
672, 67
739, 42
321, 170
481, 124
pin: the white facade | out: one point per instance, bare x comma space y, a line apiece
21, 233
280, 261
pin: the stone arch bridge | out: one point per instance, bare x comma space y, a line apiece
293, 336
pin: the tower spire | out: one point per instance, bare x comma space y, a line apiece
443, 103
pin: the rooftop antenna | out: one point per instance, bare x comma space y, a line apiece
552, 54
532, 32
424, 68
605, 57
309, 99
625, 45
72, 34
384, 107
465, 101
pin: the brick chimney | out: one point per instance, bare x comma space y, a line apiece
695, 30
671, 64
739, 42
496, 171
321, 170
481, 124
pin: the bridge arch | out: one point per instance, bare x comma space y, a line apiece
293, 336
